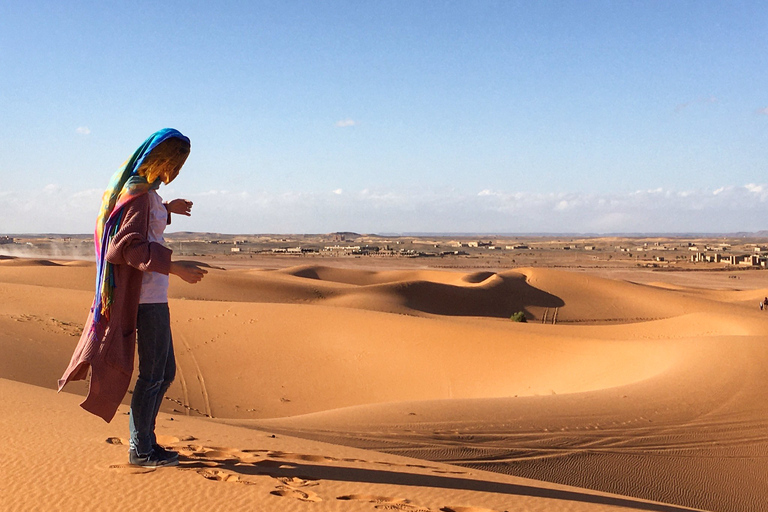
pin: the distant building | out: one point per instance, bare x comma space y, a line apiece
6, 240
343, 250
480, 243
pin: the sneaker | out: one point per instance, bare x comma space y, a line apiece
166, 454
153, 459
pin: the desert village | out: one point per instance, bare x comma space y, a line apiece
671, 253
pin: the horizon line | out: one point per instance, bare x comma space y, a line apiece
618, 234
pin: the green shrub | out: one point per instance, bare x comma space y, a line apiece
518, 317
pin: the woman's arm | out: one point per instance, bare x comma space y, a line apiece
130, 245
179, 206
189, 271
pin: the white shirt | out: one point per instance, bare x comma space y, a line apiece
154, 286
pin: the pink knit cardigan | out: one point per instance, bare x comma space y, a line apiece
109, 350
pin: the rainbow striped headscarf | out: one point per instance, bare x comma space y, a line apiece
124, 186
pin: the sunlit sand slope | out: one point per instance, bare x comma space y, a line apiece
55, 457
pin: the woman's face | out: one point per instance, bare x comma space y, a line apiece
169, 174
165, 161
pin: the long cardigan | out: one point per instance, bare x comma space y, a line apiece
109, 349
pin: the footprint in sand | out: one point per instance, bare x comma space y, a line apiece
295, 481
294, 487
386, 503
289, 487
219, 475
285, 491
215, 455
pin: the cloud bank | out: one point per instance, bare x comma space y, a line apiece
55, 209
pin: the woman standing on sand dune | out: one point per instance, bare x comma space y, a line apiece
131, 301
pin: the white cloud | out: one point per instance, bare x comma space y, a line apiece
730, 208
83, 130
345, 123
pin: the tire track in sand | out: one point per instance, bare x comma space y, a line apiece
200, 378
184, 390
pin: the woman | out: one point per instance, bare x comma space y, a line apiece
132, 295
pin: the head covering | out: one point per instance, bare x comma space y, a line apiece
124, 186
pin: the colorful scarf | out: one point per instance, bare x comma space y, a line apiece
124, 186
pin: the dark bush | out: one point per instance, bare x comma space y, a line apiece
518, 317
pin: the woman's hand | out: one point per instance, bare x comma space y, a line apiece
180, 206
189, 271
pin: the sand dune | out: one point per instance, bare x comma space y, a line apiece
78, 462
651, 391
23, 262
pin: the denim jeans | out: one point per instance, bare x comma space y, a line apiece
157, 368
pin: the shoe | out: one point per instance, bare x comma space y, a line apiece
152, 459
166, 454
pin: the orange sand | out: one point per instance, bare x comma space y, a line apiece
651, 392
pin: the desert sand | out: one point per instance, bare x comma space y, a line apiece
331, 388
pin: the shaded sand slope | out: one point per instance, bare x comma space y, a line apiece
56, 458
694, 435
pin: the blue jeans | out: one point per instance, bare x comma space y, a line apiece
157, 368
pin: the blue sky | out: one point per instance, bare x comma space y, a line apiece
391, 116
